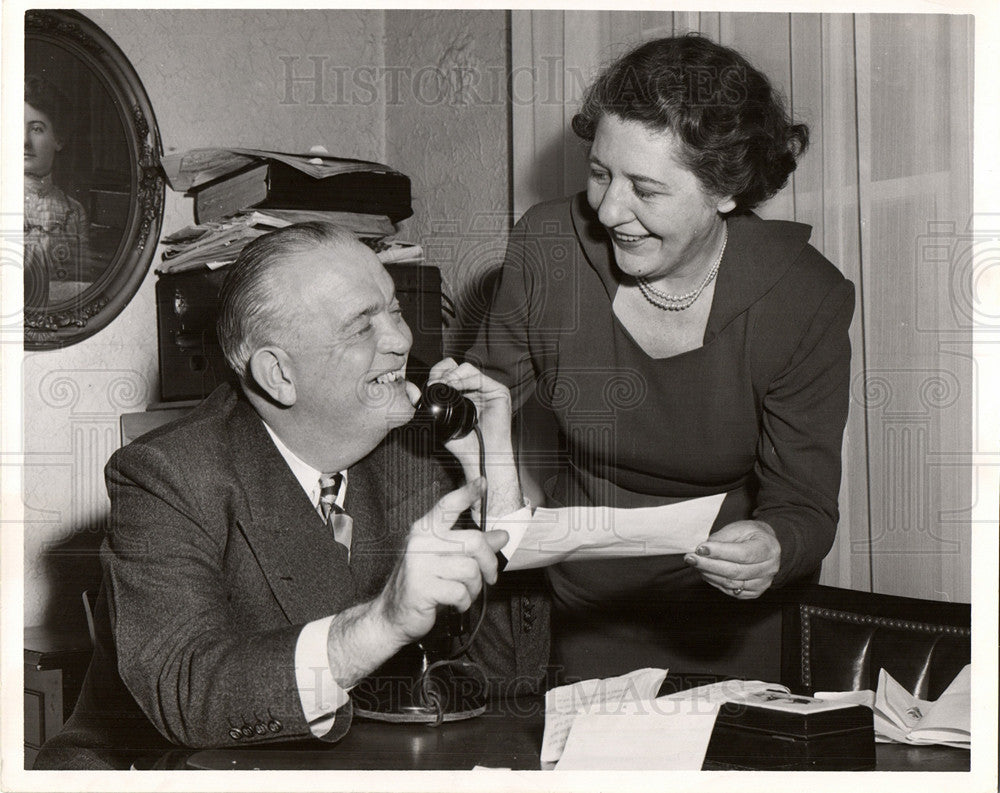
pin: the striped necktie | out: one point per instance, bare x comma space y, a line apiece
338, 520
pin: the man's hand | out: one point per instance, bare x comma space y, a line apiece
740, 559
440, 567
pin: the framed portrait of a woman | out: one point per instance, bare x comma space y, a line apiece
93, 193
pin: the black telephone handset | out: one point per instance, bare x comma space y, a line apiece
450, 414
429, 681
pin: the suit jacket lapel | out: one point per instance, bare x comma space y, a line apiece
305, 566
385, 494
392, 488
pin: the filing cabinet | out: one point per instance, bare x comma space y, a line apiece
55, 663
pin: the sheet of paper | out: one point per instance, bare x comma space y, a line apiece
575, 533
725, 691
648, 741
865, 697
949, 717
613, 695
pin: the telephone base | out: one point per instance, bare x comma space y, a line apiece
412, 688
417, 715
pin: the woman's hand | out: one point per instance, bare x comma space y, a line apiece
493, 404
492, 401
741, 559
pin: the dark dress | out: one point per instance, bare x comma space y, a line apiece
757, 412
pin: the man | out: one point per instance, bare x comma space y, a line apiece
233, 612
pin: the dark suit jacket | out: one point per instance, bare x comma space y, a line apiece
215, 559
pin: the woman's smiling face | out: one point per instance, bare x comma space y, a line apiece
661, 220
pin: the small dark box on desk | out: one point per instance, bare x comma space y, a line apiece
765, 739
784, 732
187, 306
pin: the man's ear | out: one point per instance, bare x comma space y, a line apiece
271, 370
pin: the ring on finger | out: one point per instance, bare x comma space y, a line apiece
736, 590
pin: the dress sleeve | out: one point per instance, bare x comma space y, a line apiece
799, 451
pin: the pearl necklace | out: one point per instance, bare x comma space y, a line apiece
667, 302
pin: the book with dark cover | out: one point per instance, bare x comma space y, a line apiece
275, 185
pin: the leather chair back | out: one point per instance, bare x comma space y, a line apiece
838, 640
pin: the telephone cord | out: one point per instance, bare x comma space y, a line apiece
430, 697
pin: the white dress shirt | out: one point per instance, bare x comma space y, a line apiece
321, 696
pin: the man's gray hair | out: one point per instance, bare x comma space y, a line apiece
253, 312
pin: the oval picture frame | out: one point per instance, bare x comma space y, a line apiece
122, 193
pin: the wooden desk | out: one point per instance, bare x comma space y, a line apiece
500, 740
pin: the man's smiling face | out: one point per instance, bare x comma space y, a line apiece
348, 347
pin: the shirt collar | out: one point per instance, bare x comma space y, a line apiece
38, 185
305, 474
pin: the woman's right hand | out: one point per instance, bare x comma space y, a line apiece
741, 559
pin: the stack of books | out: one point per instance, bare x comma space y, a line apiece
225, 181
240, 194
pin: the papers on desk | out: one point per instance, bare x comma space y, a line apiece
619, 723
576, 533
901, 717
612, 695
674, 740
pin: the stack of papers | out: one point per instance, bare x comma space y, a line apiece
613, 695
900, 716
218, 243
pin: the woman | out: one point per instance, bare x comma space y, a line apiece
55, 225
684, 347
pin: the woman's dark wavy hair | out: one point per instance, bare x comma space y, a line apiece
46, 97
737, 138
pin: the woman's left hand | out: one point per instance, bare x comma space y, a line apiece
740, 559
492, 401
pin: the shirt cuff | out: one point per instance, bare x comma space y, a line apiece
515, 524
321, 696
